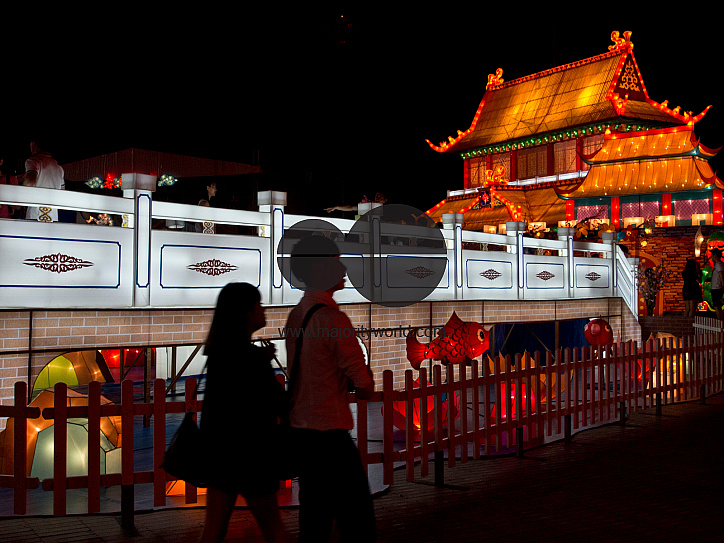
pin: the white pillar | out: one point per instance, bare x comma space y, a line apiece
516, 229
610, 239
566, 233
454, 222
141, 187
273, 202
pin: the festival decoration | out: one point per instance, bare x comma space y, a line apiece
134, 361
552, 389
40, 446
74, 369
525, 392
716, 240
399, 416
651, 281
459, 341
598, 332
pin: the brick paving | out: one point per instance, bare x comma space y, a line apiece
659, 478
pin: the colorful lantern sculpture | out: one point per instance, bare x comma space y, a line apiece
424, 415
458, 342
74, 369
40, 450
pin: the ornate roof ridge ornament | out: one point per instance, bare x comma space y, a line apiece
619, 42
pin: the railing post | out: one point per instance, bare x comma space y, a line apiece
140, 187
516, 229
273, 202
565, 233
610, 239
454, 222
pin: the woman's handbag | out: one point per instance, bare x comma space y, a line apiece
184, 457
287, 465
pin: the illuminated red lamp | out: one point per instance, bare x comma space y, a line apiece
399, 416
717, 207
614, 211
570, 210
666, 203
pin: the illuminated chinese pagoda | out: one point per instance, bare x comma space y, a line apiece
583, 140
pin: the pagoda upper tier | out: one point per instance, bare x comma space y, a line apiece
653, 161
606, 90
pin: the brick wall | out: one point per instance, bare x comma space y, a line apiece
674, 245
56, 332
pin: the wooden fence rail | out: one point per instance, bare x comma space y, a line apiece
502, 407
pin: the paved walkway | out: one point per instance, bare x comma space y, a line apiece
655, 479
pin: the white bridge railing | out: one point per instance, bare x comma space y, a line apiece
66, 265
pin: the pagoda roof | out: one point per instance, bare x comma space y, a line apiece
664, 160
606, 89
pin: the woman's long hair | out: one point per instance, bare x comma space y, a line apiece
690, 269
235, 303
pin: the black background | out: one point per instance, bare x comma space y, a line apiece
336, 102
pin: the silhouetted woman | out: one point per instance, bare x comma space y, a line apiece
692, 287
241, 404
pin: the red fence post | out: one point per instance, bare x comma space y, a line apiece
127, 488
159, 442
409, 426
94, 446
60, 431
387, 430
190, 397
424, 430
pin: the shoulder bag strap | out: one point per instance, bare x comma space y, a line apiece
294, 374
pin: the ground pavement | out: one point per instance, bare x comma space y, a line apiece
658, 478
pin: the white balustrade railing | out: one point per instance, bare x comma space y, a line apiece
64, 265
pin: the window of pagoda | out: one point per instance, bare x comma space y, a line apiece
564, 154
476, 171
532, 162
685, 206
647, 207
590, 145
501, 159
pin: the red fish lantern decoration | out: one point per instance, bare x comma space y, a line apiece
458, 342
598, 332
425, 415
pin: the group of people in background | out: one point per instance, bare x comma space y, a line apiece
42, 171
691, 290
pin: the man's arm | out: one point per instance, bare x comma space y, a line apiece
30, 179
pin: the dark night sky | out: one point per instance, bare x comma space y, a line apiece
331, 120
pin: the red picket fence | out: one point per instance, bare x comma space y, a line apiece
598, 387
